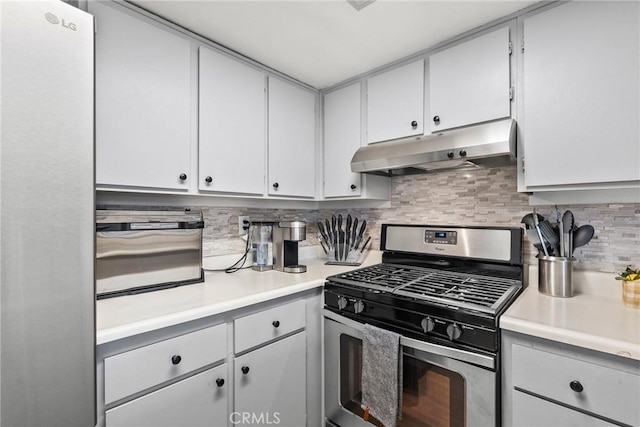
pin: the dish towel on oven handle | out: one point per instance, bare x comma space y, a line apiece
382, 374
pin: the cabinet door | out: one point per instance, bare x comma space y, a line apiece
197, 401
142, 102
342, 137
274, 385
581, 104
395, 103
469, 83
291, 140
232, 125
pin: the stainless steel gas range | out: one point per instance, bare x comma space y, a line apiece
443, 288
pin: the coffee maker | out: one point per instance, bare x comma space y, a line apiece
286, 235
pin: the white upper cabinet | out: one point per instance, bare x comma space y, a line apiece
581, 103
232, 126
395, 103
469, 82
291, 140
143, 102
342, 138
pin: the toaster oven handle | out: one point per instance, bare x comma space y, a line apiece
133, 226
427, 347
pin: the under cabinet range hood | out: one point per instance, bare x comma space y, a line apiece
486, 145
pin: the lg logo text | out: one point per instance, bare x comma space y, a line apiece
55, 21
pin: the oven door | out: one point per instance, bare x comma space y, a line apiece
439, 387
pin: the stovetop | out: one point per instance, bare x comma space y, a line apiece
455, 289
442, 284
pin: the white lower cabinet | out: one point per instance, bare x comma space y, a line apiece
200, 400
270, 384
258, 365
547, 383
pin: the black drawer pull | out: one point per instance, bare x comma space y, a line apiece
576, 386
275, 323
176, 359
219, 382
245, 370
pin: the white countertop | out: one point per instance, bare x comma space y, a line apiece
595, 317
124, 316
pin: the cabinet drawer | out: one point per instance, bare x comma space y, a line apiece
139, 369
530, 411
200, 400
267, 325
607, 392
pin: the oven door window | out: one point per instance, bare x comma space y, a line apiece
431, 396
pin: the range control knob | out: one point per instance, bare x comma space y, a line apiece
358, 307
454, 331
450, 154
342, 303
427, 324
463, 153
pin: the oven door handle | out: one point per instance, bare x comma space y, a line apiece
427, 347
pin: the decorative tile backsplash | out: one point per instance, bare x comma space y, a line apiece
476, 197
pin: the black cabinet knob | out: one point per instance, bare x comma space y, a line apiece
414, 124
436, 119
219, 382
176, 359
245, 370
353, 186
275, 323
576, 386
183, 177
450, 154
208, 180
463, 153
276, 185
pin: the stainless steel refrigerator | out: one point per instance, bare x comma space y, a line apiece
47, 215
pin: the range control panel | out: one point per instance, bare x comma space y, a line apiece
441, 237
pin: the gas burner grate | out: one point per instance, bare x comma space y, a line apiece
483, 293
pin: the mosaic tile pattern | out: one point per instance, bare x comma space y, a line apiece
477, 197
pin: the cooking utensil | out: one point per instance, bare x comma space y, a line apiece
528, 221
347, 238
582, 235
354, 231
327, 225
324, 236
365, 244
340, 239
334, 231
537, 227
550, 236
568, 223
360, 234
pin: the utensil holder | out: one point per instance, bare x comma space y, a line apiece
555, 276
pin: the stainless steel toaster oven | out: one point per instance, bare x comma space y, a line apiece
144, 250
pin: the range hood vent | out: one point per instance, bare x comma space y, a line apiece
486, 145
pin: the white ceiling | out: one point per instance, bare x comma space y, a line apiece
323, 42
